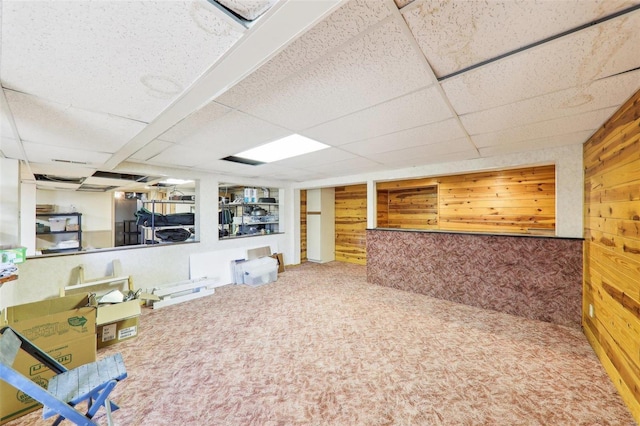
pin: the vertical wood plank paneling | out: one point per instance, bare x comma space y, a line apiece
611, 286
382, 209
303, 226
351, 223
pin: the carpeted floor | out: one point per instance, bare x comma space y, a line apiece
322, 347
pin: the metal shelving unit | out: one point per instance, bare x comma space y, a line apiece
57, 236
148, 232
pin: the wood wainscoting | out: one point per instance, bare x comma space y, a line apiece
611, 289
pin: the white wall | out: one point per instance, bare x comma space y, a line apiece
96, 207
9, 202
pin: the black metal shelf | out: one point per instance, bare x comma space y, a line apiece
77, 232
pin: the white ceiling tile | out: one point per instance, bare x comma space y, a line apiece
192, 125
263, 171
228, 134
62, 169
299, 175
601, 94
180, 156
150, 150
532, 145
325, 156
57, 186
347, 167
346, 22
106, 182
588, 121
222, 166
274, 172
5, 126
39, 153
130, 58
597, 52
415, 109
417, 155
435, 158
419, 136
50, 123
457, 34
374, 68
10, 148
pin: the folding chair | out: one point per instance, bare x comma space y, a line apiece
90, 382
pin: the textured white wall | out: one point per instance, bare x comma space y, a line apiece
9, 202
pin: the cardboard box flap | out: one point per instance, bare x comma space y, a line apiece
259, 252
118, 311
44, 308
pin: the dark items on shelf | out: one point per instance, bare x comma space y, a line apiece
145, 217
173, 235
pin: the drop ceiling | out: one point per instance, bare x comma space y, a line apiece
119, 86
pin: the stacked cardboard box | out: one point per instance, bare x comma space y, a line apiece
117, 322
65, 328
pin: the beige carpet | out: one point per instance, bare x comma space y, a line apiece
322, 347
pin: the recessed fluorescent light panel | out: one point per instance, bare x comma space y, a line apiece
288, 147
172, 181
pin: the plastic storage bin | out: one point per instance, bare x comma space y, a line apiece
57, 223
260, 271
13, 255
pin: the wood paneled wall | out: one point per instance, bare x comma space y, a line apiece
611, 288
351, 224
410, 208
303, 226
518, 200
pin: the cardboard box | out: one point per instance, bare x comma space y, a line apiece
65, 328
117, 322
112, 316
13, 255
278, 257
259, 252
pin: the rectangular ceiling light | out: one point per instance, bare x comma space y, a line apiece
290, 146
172, 181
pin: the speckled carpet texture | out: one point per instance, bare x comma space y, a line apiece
321, 346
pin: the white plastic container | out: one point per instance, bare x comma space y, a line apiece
57, 223
260, 271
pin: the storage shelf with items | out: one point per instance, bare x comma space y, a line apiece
245, 215
59, 232
160, 222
